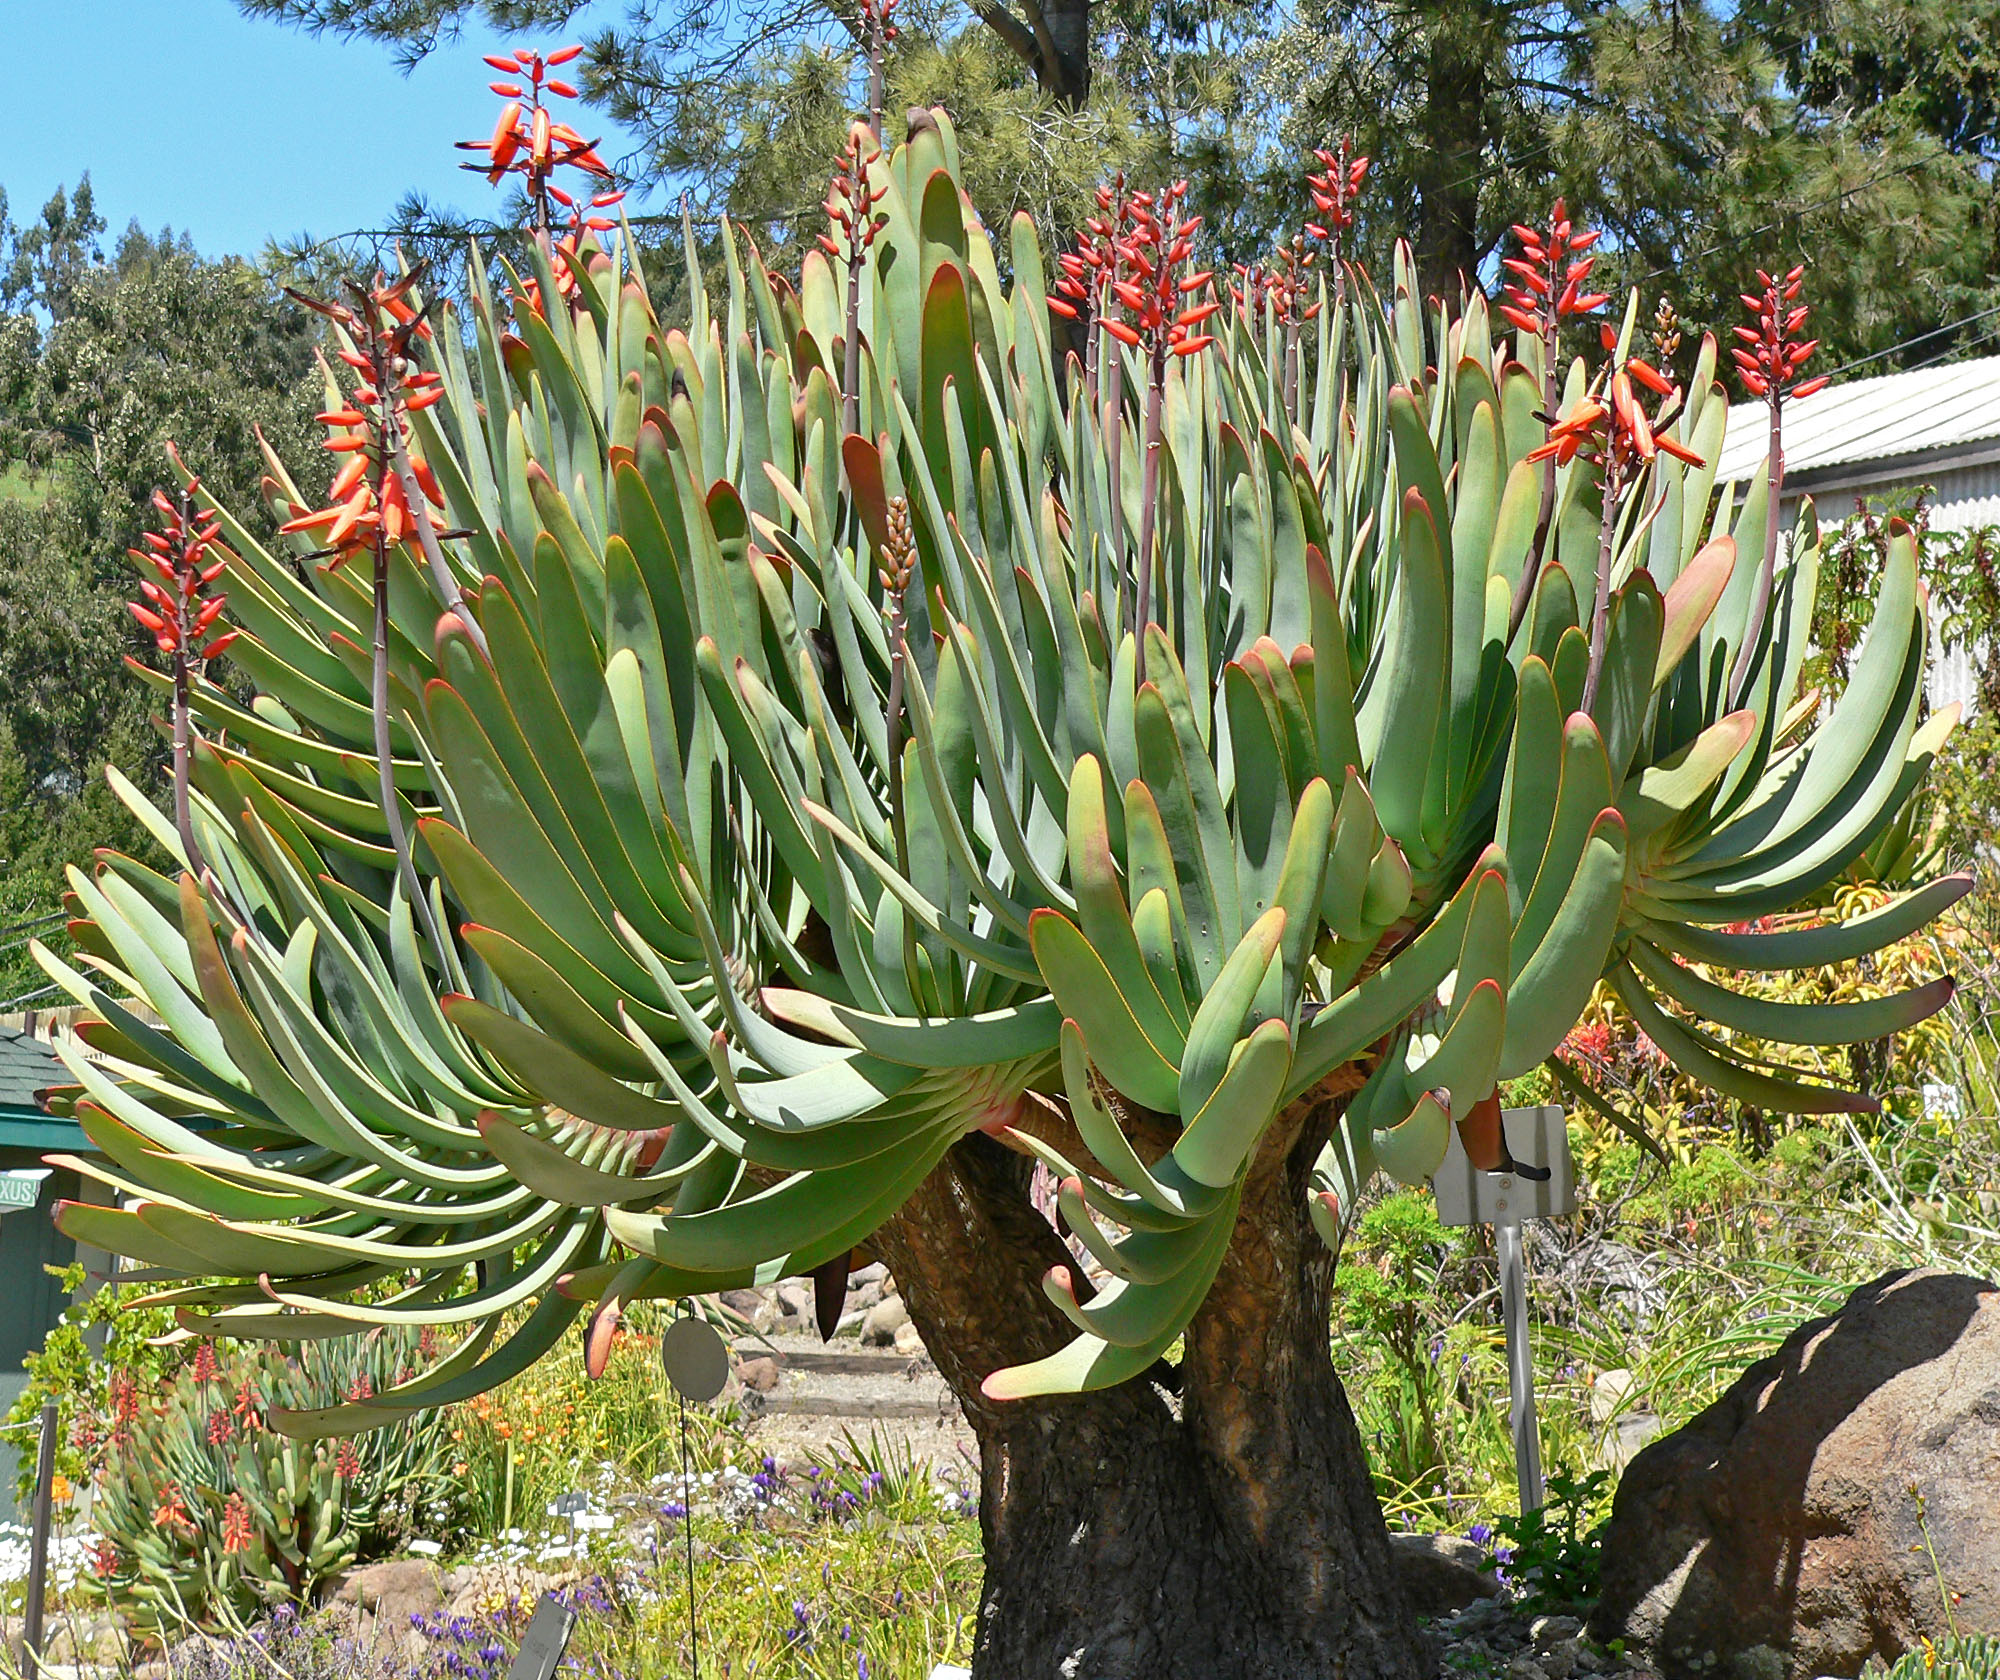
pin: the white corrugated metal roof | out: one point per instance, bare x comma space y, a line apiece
1872, 419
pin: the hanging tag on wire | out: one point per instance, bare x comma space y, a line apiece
697, 1366
695, 1358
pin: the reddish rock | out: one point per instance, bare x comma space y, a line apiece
1783, 1517
384, 1596
758, 1375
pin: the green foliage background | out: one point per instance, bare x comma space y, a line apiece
104, 359
1709, 138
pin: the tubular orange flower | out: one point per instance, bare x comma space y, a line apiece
386, 503
1769, 361
1090, 269
183, 553
1573, 435
877, 32
1153, 252
1633, 436
1545, 289
238, 1533
1334, 193
878, 13
527, 140
1282, 285
1611, 429
1548, 275
854, 225
1281, 291
177, 609
171, 1513
366, 495
1168, 306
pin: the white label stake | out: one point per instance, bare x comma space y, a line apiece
1538, 1138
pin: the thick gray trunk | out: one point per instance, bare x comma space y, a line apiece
1225, 1532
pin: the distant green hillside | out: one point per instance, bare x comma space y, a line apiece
17, 484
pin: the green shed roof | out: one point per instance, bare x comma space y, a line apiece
27, 1065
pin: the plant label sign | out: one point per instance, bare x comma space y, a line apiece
1536, 1138
21, 1187
542, 1646
696, 1359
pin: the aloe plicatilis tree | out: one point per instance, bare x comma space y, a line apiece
821, 842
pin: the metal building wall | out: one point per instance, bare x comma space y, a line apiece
1962, 499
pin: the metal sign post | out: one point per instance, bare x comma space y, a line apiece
21, 1188
1521, 1419
38, 1545
1536, 1137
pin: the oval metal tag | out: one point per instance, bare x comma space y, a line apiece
695, 1358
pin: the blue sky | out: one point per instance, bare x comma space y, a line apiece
233, 130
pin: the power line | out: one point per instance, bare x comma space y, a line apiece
33, 922
27, 997
1951, 350
1949, 326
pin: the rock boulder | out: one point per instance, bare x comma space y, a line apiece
1783, 1519
759, 1375
1440, 1573
884, 1319
384, 1596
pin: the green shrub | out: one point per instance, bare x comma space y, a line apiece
1554, 1554
101, 1340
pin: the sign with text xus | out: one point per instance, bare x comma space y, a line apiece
21, 1187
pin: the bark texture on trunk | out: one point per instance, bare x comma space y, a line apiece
1216, 1523
1051, 37
1454, 135
1065, 26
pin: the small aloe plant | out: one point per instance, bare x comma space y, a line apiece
206, 1516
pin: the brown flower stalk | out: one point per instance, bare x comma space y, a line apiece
180, 610
381, 499
1546, 290
856, 224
